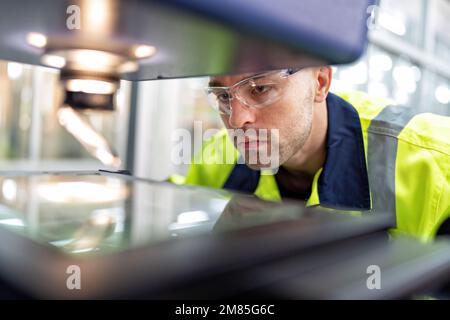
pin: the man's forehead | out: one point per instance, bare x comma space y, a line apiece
226, 81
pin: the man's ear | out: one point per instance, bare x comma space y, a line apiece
323, 76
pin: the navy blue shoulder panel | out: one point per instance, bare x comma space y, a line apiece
344, 181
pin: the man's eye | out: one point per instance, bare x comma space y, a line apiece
261, 89
223, 97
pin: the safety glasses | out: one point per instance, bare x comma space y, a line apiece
257, 91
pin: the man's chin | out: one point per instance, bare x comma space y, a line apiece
263, 167
255, 167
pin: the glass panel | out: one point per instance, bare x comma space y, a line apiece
15, 109
440, 24
381, 74
196, 108
438, 94
403, 82
165, 110
403, 18
94, 214
351, 77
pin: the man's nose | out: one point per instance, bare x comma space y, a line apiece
240, 115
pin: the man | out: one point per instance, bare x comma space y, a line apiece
346, 152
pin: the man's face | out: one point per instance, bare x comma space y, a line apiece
288, 120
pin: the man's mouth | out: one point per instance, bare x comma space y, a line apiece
251, 144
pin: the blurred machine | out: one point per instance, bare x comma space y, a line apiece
136, 238
143, 39
95, 43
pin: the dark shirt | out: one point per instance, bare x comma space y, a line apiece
298, 188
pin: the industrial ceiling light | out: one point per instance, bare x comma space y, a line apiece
144, 51
53, 61
91, 86
91, 69
37, 40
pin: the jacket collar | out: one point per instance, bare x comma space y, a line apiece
343, 182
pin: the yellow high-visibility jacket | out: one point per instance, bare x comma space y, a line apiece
380, 157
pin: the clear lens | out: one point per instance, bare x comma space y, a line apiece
258, 91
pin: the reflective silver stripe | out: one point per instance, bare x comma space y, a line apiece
382, 154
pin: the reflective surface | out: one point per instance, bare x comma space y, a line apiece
97, 214
132, 237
